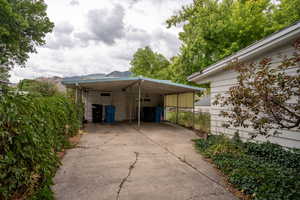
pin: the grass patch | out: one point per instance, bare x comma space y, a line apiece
264, 171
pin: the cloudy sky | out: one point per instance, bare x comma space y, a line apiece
101, 36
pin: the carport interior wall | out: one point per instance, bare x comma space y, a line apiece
126, 102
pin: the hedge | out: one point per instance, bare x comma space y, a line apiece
264, 171
32, 131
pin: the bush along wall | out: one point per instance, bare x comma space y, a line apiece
263, 171
32, 131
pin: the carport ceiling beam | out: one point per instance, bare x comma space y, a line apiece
131, 84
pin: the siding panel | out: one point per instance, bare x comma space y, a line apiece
221, 83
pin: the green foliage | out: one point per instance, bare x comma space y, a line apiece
4, 73
264, 171
185, 118
150, 64
41, 88
270, 152
32, 130
215, 29
23, 26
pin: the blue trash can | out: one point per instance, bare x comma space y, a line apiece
110, 114
158, 114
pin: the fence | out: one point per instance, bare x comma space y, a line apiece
185, 118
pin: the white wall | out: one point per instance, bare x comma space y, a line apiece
125, 103
205, 109
220, 84
94, 97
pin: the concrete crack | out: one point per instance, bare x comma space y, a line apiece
192, 197
110, 139
181, 159
98, 146
131, 167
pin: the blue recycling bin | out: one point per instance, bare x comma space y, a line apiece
110, 114
158, 114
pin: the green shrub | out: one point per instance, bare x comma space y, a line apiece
266, 171
32, 130
270, 152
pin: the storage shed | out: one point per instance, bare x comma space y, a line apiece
131, 98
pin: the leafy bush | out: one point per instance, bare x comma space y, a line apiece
39, 88
270, 152
32, 130
264, 171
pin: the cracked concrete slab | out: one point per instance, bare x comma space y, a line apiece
119, 162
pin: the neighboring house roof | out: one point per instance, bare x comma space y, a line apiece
4, 82
204, 101
276, 39
108, 83
114, 74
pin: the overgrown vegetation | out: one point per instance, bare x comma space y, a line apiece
262, 171
214, 29
39, 88
185, 118
32, 130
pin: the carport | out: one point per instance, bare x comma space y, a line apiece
132, 97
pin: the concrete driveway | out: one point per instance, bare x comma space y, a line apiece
157, 162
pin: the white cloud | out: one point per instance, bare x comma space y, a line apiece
101, 36
74, 3
104, 25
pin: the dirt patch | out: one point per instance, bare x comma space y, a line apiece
73, 143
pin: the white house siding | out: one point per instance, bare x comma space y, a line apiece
202, 109
220, 84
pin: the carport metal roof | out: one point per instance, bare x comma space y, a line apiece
147, 84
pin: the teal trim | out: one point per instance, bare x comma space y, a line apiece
102, 80
167, 82
65, 81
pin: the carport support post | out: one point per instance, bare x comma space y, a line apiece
76, 95
193, 110
139, 108
177, 109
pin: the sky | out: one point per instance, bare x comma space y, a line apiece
101, 36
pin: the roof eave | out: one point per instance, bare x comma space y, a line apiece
77, 82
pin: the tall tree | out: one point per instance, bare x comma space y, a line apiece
23, 26
150, 64
214, 29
